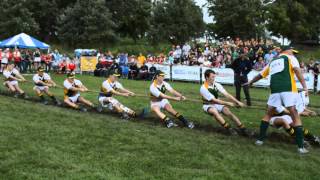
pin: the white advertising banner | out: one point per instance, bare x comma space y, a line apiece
190, 73
163, 68
265, 82
223, 76
309, 78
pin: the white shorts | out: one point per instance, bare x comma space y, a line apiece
37, 59
285, 99
110, 102
74, 98
218, 107
4, 61
40, 88
13, 83
160, 104
286, 118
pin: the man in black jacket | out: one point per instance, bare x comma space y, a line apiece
241, 67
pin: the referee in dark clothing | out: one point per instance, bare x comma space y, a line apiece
241, 67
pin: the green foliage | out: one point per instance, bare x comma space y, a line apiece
176, 21
131, 17
86, 22
15, 18
294, 19
237, 18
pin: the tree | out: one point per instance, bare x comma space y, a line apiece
131, 17
86, 22
295, 19
176, 20
237, 18
15, 18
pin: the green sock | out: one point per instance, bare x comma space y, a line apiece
181, 118
263, 130
299, 136
42, 98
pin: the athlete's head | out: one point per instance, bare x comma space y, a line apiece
209, 75
10, 66
113, 75
71, 77
159, 76
40, 70
289, 50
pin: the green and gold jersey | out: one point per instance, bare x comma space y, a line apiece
281, 71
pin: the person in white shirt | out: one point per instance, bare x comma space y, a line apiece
42, 83
4, 59
12, 77
111, 87
72, 89
214, 106
159, 100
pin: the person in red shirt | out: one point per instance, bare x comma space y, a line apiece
71, 66
48, 62
17, 58
63, 66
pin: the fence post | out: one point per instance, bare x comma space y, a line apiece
171, 72
200, 75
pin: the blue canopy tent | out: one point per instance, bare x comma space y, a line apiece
23, 41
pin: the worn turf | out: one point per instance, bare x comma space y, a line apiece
47, 142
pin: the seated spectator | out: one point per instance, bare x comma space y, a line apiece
143, 72
133, 71
259, 65
152, 71
99, 71
201, 59
71, 66
207, 63
63, 67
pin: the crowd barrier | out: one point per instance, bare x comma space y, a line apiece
224, 75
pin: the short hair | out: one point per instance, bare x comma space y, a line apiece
208, 72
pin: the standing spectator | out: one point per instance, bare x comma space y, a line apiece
259, 65
17, 59
177, 55
269, 56
48, 62
241, 67
123, 59
5, 59
36, 59
141, 60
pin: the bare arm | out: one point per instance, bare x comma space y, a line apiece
300, 77
123, 90
177, 94
229, 96
170, 97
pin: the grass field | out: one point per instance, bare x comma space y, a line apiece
47, 142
